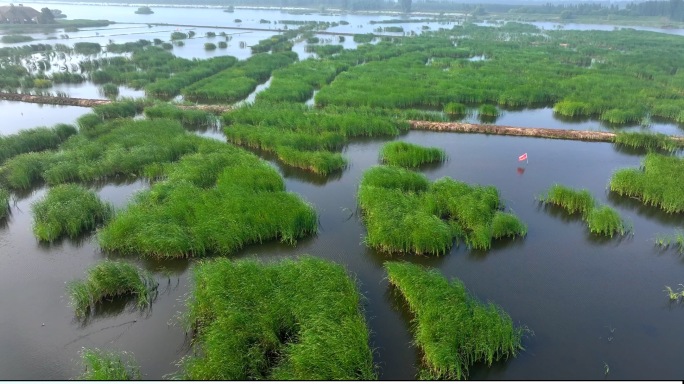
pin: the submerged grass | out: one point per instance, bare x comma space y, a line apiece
451, 327
110, 279
657, 183
409, 155
290, 320
110, 366
68, 210
215, 201
601, 220
404, 212
675, 240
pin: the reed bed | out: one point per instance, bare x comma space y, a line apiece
287, 320
34, 140
657, 183
190, 118
122, 148
170, 87
297, 82
676, 241
453, 329
4, 203
647, 141
215, 201
601, 220
405, 213
110, 366
109, 279
408, 155
68, 210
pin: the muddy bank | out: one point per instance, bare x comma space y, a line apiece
53, 100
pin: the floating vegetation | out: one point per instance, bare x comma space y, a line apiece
675, 241
110, 366
34, 140
110, 279
215, 201
68, 210
647, 141
110, 91
404, 212
408, 155
290, 320
209, 46
657, 183
452, 328
455, 109
488, 110
601, 220
4, 203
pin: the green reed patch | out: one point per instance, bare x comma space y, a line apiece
172, 86
4, 203
288, 320
215, 201
68, 210
110, 366
676, 241
190, 118
657, 183
408, 155
601, 220
647, 141
404, 212
453, 329
110, 279
123, 148
34, 140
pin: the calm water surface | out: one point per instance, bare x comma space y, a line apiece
588, 301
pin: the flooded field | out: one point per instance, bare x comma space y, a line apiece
589, 302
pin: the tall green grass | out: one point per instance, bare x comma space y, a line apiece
404, 212
452, 328
657, 183
110, 279
601, 220
68, 210
288, 320
110, 366
647, 141
675, 240
215, 201
34, 140
409, 155
4, 203
191, 118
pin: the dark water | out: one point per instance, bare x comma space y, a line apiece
567, 286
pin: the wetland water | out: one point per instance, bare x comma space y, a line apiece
588, 301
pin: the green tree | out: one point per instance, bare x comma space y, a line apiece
46, 16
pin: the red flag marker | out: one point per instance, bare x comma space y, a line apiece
522, 157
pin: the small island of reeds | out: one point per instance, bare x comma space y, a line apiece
647, 141
658, 182
409, 155
68, 210
4, 203
287, 320
109, 366
675, 240
110, 279
601, 220
452, 328
404, 212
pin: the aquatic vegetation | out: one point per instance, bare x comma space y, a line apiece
601, 220
455, 109
110, 366
675, 240
488, 110
34, 140
409, 155
297, 82
87, 48
288, 320
452, 328
121, 108
4, 203
404, 212
215, 201
191, 118
11, 39
109, 279
209, 46
110, 91
172, 86
657, 183
647, 141
68, 210
674, 295
239, 81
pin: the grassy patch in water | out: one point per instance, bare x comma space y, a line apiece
110, 279
215, 201
676, 241
190, 118
647, 141
34, 140
404, 212
68, 210
658, 182
110, 366
4, 203
289, 320
601, 220
452, 328
409, 155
